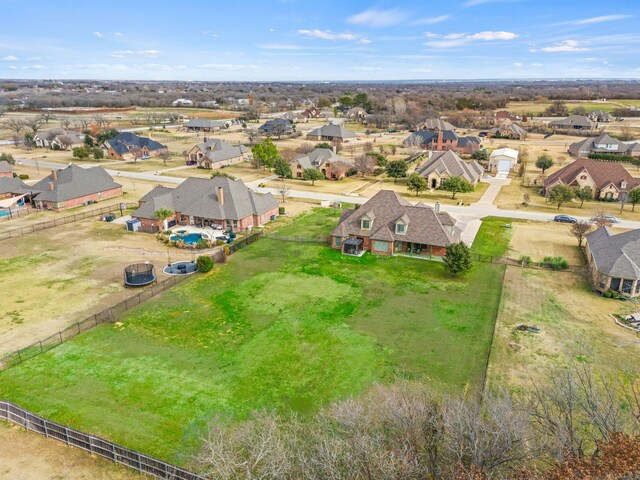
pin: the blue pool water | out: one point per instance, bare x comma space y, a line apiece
190, 238
4, 213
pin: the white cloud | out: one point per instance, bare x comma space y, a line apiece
537, 65
327, 35
144, 53
431, 20
157, 66
12, 67
378, 18
279, 46
97, 34
457, 39
99, 66
10, 58
364, 41
431, 35
600, 19
33, 67
34, 59
227, 66
565, 46
118, 34
518, 64
473, 3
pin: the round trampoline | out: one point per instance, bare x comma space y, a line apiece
139, 275
180, 268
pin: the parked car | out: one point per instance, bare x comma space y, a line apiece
608, 218
145, 157
564, 219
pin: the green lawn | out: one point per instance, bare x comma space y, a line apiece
493, 237
285, 326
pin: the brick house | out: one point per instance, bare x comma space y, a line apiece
607, 180
204, 125
442, 140
573, 122
435, 125
604, 144
207, 202
121, 146
215, 153
512, 131
388, 224
442, 165
614, 261
332, 165
6, 169
331, 132
74, 186
59, 138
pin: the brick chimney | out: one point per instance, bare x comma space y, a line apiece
54, 175
51, 186
221, 196
335, 149
440, 139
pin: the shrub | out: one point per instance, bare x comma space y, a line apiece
525, 260
204, 263
23, 176
280, 210
202, 243
55, 147
555, 263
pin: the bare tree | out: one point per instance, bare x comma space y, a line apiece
283, 189
252, 135
34, 124
65, 122
364, 164
47, 116
83, 123
580, 230
136, 153
16, 125
601, 219
165, 155
305, 148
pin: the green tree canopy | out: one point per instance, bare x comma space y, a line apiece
397, 169
265, 153
416, 183
634, 197
560, 194
106, 135
81, 152
584, 194
312, 174
282, 168
456, 185
543, 162
457, 259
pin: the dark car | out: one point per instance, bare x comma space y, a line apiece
564, 219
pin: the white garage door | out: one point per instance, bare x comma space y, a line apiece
504, 166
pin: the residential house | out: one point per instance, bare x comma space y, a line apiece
607, 180
503, 160
6, 169
120, 146
74, 186
182, 102
331, 132
443, 165
277, 127
59, 139
204, 125
504, 116
573, 122
604, 144
614, 261
600, 116
512, 131
312, 112
331, 164
295, 117
14, 194
216, 153
356, 114
442, 140
387, 224
435, 125
207, 202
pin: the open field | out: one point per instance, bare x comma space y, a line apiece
34, 457
522, 108
55, 283
284, 325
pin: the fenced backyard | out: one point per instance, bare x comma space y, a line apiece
95, 445
36, 227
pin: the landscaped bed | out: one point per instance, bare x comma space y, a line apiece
285, 325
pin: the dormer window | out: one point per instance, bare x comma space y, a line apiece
365, 224
623, 184
401, 228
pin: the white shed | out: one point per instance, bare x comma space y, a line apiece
504, 160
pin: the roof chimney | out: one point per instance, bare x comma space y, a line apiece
437, 207
335, 149
54, 175
51, 186
221, 196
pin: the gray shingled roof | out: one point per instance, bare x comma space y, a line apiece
573, 121
589, 144
436, 124
217, 150
616, 255
199, 197
14, 185
124, 140
5, 167
333, 131
318, 156
450, 164
385, 208
204, 123
74, 182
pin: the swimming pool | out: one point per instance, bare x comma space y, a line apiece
190, 238
4, 213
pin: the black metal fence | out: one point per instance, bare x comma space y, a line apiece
36, 227
299, 239
110, 314
95, 445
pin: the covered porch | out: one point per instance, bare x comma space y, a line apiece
353, 246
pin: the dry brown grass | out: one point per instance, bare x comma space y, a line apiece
33, 457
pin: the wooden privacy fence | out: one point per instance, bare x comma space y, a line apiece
95, 445
110, 314
36, 227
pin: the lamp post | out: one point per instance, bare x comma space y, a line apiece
169, 261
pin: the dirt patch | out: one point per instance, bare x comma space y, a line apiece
36, 458
538, 240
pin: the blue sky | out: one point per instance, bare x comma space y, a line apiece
312, 40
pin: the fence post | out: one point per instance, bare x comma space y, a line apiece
60, 334
40, 342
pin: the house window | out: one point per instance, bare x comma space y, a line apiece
615, 284
381, 246
337, 241
583, 177
365, 224
627, 286
637, 290
400, 228
623, 184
